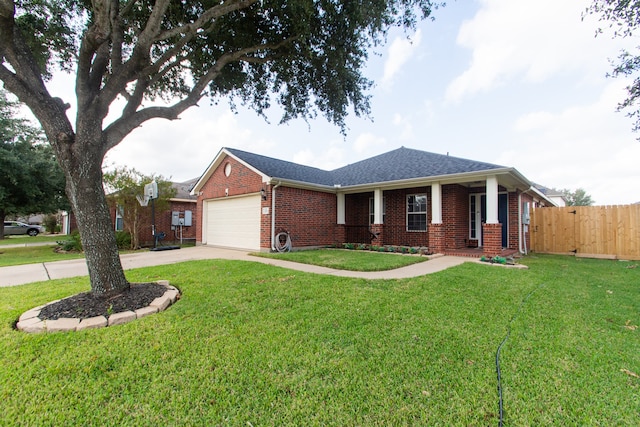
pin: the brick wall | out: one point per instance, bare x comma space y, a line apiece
308, 216
455, 215
512, 237
395, 229
163, 222
395, 218
357, 209
492, 239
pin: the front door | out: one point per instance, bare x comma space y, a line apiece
478, 215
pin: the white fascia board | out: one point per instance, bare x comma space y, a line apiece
302, 185
426, 181
217, 161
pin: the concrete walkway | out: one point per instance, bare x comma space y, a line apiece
21, 274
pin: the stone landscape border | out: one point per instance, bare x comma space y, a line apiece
31, 323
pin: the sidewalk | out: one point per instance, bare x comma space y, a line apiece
28, 273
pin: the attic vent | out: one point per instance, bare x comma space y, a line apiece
227, 169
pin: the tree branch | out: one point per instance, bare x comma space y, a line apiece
208, 15
26, 81
127, 123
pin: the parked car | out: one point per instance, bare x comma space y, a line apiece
16, 228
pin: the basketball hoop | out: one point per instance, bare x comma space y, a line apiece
143, 200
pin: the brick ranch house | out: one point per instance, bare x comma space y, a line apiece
404, 197
178, 223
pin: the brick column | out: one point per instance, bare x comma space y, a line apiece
436, 238
378, 230
492, 239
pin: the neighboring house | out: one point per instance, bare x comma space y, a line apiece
555, 196
177, 222
403, 197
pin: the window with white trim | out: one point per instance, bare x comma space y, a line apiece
417, 212
119, 226
372, 210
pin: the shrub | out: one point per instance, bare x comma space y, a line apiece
123, 238
72, 244
51, 223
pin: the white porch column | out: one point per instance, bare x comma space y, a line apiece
492, 200
436, 203
341, 217
377, 206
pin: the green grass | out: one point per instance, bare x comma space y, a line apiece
40, 238
252, 344
33, 254
347, 259
39, 254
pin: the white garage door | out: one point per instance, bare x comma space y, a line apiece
234, 223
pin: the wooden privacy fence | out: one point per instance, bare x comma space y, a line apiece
588, 231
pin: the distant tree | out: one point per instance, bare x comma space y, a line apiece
158, 58
123, 185
579, 197
623, 17
31, 180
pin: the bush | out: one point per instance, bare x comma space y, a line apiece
72, 244
51, 223
123, 238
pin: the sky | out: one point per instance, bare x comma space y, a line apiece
518, 83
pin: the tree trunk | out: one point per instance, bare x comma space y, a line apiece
89, 203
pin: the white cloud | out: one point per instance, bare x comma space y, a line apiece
405, 126
529, 41
369, 144
329, 159
186, 146
589, 146
400, 51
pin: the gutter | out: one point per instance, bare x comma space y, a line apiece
520, 223
273, 215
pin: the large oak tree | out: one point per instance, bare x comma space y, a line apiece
306, 55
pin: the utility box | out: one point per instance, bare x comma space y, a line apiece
175, 218
526, 217
187, 219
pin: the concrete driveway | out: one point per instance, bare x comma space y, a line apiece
28, 273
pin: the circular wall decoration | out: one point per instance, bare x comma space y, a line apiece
227, 169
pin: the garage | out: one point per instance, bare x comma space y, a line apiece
233, 222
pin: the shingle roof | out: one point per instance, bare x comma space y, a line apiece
406, 163
276, 168
400, 164
183, 189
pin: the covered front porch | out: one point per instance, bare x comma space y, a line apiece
475, 218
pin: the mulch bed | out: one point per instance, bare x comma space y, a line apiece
86, 305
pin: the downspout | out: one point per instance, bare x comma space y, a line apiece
273, 215
520, 223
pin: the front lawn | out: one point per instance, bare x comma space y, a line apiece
252, 344
347, 259
34, 254
29, 240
